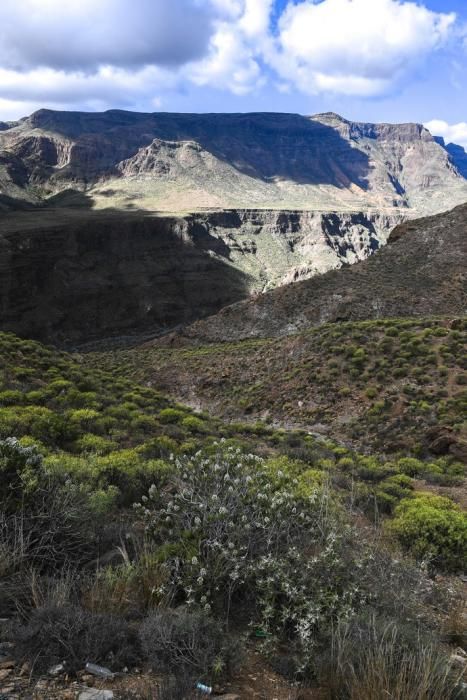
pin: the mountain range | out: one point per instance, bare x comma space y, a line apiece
119, 222
185, 162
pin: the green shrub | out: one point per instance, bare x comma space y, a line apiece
432, 528
83, 417
194, 424
11, 397
171, 415
411, 466
371, 392
94, 443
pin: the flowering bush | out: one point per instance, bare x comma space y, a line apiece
229, 533
21, 474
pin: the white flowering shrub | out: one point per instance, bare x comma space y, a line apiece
233, 539
21, 474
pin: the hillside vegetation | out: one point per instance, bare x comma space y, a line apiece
246, 537
397, 385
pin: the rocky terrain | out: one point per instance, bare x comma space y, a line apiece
420, 272
244, 202
77, 274
188, 161
250, 202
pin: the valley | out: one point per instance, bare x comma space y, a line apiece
233, 443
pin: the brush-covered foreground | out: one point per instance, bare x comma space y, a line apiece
333, 564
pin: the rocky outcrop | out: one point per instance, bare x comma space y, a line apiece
275, 248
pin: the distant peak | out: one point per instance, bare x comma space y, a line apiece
329, 116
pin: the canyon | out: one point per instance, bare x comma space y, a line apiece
118, 223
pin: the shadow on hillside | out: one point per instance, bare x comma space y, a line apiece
265, 146
11, 204
86, 275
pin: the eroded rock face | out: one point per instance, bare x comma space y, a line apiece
68, 276
74, 275
420, 272
276, 248
184, 162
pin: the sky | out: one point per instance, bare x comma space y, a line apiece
368, 60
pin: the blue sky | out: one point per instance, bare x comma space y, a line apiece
371, 60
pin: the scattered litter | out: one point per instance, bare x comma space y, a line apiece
56, 670
95, 694
99, 671
206, 689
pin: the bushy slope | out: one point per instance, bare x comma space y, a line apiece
394, 384
270, 529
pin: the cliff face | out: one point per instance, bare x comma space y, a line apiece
73, 275
275, 248
184, 162
420, 272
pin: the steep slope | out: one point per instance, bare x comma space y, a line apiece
187, 161
420, 272
73, 275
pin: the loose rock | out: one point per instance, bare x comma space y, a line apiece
95, 694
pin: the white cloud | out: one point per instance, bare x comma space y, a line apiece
133, 53
452, 133
255, 19
87, 34
236, 47
356, 47
109, 86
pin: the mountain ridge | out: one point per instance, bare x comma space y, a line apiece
262, 159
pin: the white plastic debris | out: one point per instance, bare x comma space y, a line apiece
99, 671
206, 689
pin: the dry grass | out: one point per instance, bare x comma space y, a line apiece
377, 662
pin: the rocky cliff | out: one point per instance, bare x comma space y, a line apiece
74, 274
186, 162
250, 202
277, 247
420, 272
